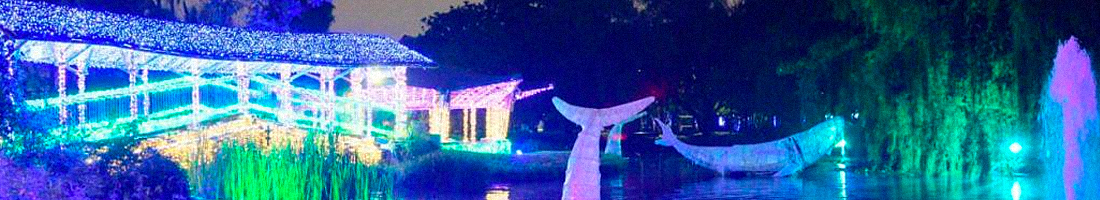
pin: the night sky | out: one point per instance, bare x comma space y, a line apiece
394, 18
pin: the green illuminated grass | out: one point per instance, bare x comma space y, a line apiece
243, 171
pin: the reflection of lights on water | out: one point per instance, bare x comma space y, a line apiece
843, 178
1016, 190
1015, 147
497, 194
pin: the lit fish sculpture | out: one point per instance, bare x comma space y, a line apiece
615, 137
783, 157
582, 174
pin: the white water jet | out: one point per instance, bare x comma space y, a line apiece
1069, 120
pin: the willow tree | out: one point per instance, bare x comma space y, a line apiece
944, 86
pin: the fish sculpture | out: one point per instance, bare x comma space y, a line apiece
615, 137
782, 157
582, 174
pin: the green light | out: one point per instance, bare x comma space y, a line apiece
1015, 147
490, 147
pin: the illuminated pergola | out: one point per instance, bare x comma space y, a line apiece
186, 76
495, 99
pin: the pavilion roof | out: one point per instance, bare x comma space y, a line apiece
120, 34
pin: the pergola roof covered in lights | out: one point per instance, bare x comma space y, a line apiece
108, 40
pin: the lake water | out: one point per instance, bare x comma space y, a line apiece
819, 182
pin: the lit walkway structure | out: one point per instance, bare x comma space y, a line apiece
494, 100
184, 76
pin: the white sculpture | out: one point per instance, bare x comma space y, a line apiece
582, 175
615, 137
783, 157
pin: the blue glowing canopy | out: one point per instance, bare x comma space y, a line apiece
46, 22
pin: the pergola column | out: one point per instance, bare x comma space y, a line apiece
131, 70
243, 79
496, 122
196, 102
81, 80
439, 119
400, 112
62, 71
369, 117
145, 91
469, 133
326, 81
285, 107
63, 108
355, 82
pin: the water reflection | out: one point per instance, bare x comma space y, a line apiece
496, 195
1016, 190
822, 182
843, 176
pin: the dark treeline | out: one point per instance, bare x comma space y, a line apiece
273, 15
700, 57
940, 86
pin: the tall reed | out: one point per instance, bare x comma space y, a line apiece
242, 170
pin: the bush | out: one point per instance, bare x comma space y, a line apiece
30, 182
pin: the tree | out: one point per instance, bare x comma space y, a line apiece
20, 135
271, 15
943, 84
697, 56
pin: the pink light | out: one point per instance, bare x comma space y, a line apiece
420, 98
488, 96
529, 93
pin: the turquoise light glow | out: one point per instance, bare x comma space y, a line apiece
841, 144
1015, 147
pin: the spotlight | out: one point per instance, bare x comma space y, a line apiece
841, 144
1015, 147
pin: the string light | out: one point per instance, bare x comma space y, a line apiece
490, 147
145, 91
529, 93
496, 123
466, 125
132, 73
486, 96
58, 23
60, 36
62, 69
243, 80
181, 146
81, 79
439, 121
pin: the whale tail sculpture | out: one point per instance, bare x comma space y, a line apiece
582, 174
615, 137
667, 138
783, 157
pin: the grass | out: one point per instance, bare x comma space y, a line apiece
247, 171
